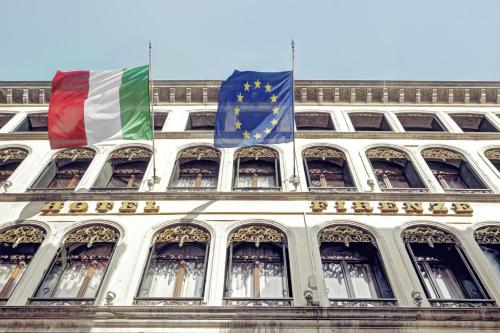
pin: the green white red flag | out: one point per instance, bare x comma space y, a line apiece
88, 107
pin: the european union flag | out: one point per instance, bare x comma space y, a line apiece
255, 108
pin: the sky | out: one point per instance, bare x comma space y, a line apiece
194, 39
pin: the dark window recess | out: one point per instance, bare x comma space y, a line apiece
455, 174
159, 120
473, 122
256, 168
196, 168
493, 155
10, 159
424, 122
492, 252
397, 173
201, 121
34, 122
326, 168
369, 122
4, 118
313, 121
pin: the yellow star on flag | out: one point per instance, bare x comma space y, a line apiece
257, 136
276, 110
274, 122
268, 87
237, 124
240, 98
274, 98
246, 135
267, 130
257, 84
236, 111
246, 86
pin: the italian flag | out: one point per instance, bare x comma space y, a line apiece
88, 107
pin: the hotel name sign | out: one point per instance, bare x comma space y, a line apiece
316, 207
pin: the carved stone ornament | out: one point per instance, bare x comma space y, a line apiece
256, 152
13, 153
441, 154
131, 153
76, 154
345, 234
258, 234
182, 234
493, 154
93, 234
323, 153
22, 234
199, 152
428, 235
386, 153
488, 235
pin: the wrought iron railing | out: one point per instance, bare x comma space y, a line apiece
334, 189
406, 190
161, 301
61, 301
115, 189
364, 302
49, 190
462, 303
192, 189
258, 301
257, 189
468, 190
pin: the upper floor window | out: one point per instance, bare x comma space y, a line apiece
124, 170
5, 117
452, 171
372, 121
201, 121
394, 170
352, 268
66, 170
420, 122
176, 267
313, 121
10, 159
196, 168
159, 120
78, 270
443, 269
34, 122
470, 122
257, 267
256, 168
19, 245
327, 169
488, 239
493, 155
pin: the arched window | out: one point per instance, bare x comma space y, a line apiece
159, 120
420, 122
257, 267
201, 121
256, 168
372, 121
65, 171
124, 170
10, 159
488, 239
5, 117
34, 122
327, 170
452, 171
196, 168
313, 121
78, 270
493, 155
19, 245
176, 268
352, 268
394, 170
443, 269
470, 122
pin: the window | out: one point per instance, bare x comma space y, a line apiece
488, 239
327, 170
257, 267
313, 121
10, 159
470, 122
201, 121
394, 170
420, 122
65, 171
196, 168
5, 117
124, 170
159, 120
452, 171
176, 267
79, 268
19, 245
34, 122
369, 122
493, 155
352, 268
256, 168
443, 269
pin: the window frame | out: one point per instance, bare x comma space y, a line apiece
257, 152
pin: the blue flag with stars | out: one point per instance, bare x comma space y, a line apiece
255, 108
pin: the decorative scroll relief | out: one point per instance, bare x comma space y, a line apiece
428, 235
23, 234
493, 154
199, 153
76, 154
131, 153
441, 154
93, 234
323, 153
386, 153
345, 234
182, 234
258, 234
488, 235
256, 152
7, 154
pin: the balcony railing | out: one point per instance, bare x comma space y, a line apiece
256, 189
406, 190
468, 190
60, 301
334, 189
49, 190
161, 301
364, 302
115, 189
192, 189
258, 301
462, 303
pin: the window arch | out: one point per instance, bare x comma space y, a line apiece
493, 155
201, 121
452, 171
65, 171
394, 170
352, 268
472, 122
443, 269
257, 267
10, 159
256, 168
5, 117
327, 170
488, 239
176, 268
19, 245
79, 267
196, 168
124, 169
420, 122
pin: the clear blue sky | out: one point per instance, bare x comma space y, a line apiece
335, 39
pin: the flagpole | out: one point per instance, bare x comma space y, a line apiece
152, 113
294, 179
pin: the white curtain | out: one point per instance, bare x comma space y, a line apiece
262, 181
185, 181
192, 285
427, 282
271, 280
493, 256
6, 270
446, 282
242, 280
160, 279
362, 281
73, 277
335, 280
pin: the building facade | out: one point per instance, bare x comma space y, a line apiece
384, 220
